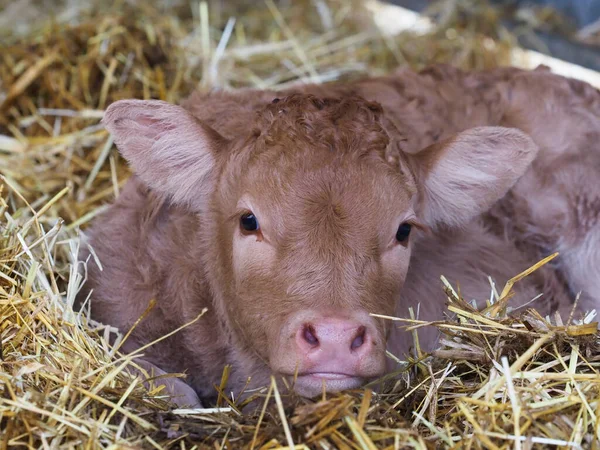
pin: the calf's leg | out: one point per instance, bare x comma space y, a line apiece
181, 393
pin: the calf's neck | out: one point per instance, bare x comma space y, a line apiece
291, 216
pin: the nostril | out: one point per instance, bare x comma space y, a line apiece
359, 339
309, 335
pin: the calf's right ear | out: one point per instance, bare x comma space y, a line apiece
167, 147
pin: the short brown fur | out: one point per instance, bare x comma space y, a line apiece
330, 172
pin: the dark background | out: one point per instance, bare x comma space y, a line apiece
581, 13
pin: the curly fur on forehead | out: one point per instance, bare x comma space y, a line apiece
350, 124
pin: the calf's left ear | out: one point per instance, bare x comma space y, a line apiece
463, 176
167, 147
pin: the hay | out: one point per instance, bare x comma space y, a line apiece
495, 382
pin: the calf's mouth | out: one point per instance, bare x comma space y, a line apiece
329, 351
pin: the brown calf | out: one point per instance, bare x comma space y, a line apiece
293, 215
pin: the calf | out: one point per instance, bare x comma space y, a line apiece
293, 215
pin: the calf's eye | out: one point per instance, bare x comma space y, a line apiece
249, 222
403, 232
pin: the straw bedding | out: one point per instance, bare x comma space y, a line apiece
497, 381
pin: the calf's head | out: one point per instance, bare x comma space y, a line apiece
308, 219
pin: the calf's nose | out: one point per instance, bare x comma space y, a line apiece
332, 337
329, 350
